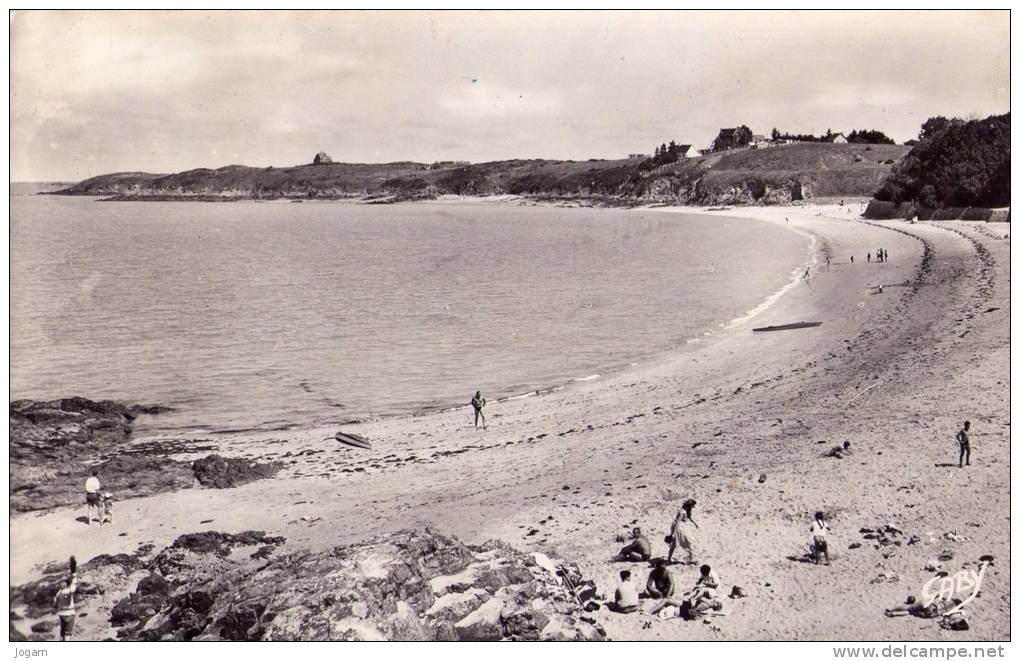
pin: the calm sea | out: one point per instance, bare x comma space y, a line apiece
278, 315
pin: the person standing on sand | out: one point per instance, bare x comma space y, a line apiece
851, 259
680, 532
63, 602
478, 402
869, 257
93, 498
963, 438
819, 543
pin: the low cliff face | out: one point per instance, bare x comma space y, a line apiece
410, 585
767, 176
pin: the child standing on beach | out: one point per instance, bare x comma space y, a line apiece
819, 543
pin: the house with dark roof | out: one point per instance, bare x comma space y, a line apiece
734, 138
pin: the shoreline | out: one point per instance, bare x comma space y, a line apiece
706, 422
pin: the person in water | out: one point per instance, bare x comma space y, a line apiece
478, 403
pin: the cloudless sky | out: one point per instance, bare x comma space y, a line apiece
96, 92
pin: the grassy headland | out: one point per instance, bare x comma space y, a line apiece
769, 176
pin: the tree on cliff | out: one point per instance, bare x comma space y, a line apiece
958, 164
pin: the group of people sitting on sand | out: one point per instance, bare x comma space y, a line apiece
700, 600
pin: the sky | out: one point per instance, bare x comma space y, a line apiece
94, 92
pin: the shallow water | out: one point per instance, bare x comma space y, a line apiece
277, 315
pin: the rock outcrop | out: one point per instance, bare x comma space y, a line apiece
410, 585
55, 445
222, 473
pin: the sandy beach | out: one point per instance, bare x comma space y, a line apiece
739, 421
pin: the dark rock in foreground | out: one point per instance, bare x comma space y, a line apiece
221, 473
408, 585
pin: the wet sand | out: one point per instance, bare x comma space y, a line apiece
895, 373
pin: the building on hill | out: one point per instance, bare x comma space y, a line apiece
838, 139
687, 151
322, 158
641, 156
759, 141
734, 138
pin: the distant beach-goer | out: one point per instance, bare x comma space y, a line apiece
963, 438
840, 451
640, 550
660, 581
819, 543
869, 257
93, 498
626, 599
851, 259
680, 533
478, 402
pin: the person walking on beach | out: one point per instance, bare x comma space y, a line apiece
93, 498
963, 438
680, 535
63, 603
478, 402
851, 259
819, 543
869, 257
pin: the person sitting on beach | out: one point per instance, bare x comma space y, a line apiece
680, 531
626, 599
660, 582
697, 601
819, 543
478, 402
839, 451
93, 498
963, 438
937, 608
640, 550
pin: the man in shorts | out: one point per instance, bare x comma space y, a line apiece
963, 438
478, 403
93, 497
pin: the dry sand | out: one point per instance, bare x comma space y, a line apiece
895, 373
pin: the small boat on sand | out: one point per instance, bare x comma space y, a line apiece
794, 326
352, 440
